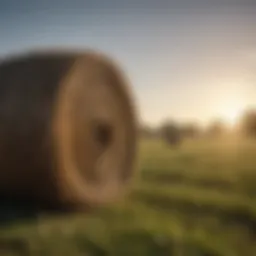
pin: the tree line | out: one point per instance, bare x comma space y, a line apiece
173, 132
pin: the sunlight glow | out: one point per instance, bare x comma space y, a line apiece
231, 115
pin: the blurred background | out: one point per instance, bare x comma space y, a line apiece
192, 67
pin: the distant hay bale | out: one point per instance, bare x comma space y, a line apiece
67, 129
171, 134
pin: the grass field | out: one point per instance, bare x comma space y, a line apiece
197, 200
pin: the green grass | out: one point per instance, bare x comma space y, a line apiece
197, 200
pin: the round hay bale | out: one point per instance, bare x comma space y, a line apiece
67, 129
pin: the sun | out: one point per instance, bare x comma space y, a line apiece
231, 116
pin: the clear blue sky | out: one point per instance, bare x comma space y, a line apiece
187, 59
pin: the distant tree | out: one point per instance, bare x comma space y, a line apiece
190, 130
216, 129
171, 133
247, 124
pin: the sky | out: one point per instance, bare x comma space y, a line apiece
188, 60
